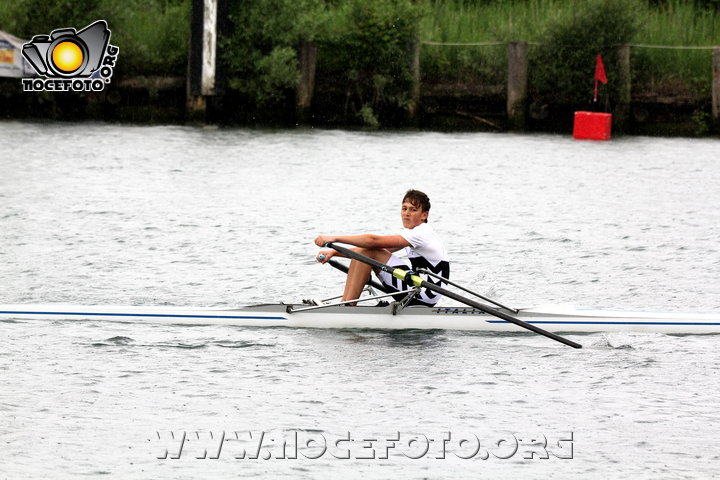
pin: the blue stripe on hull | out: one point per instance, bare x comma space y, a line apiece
153, 315
257, 317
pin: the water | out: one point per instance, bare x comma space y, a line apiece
99, 214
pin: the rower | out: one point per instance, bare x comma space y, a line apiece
425, 251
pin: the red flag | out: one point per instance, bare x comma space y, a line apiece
600, 70
599, 75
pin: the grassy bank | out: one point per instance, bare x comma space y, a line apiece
153, 33
674, 23
677, 71
363, 71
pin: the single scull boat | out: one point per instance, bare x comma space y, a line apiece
553, 318
471, 315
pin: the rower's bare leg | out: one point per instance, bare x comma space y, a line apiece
359, 272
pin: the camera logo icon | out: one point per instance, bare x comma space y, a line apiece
66, 54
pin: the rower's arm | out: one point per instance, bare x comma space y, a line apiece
368, 240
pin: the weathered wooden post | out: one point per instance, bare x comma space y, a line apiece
622, 111
307, 59
414, 106
716, 87
517, 82
205, 77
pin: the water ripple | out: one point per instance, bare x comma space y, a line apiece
224, 217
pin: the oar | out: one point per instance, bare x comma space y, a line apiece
410, 278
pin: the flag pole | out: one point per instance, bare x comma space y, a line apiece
599, 77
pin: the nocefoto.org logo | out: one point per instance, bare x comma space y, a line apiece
70, 60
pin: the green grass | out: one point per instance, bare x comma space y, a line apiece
678, 24
676, 71
459, 21
454, 21
152, 35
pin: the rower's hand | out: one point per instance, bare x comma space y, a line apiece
324, 255
321, 240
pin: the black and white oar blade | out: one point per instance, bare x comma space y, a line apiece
419, 282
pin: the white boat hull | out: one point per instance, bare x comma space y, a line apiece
555, 319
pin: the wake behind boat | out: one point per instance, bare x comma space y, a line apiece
558, 318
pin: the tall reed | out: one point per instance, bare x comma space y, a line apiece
676, 71
676, 23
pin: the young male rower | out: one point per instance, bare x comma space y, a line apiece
424, 250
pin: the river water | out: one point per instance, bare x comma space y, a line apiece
107, 214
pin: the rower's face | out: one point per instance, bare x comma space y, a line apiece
412, 216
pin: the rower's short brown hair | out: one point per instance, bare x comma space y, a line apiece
418, 199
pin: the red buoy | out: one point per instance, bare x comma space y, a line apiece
592, 126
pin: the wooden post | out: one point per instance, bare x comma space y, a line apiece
622, 111
203, 62
517, 82
307, 58
194, 101
716, 87
414, 106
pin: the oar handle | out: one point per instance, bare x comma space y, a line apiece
357, 256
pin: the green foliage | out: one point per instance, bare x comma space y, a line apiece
270, 76
368, 117
152, 34
499, 21
670, 71
364, 45
708, 4
701, 121
367, 54
363, 49
26, 18
563, 67
373, 36
664, 22
260, 53
700, 4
